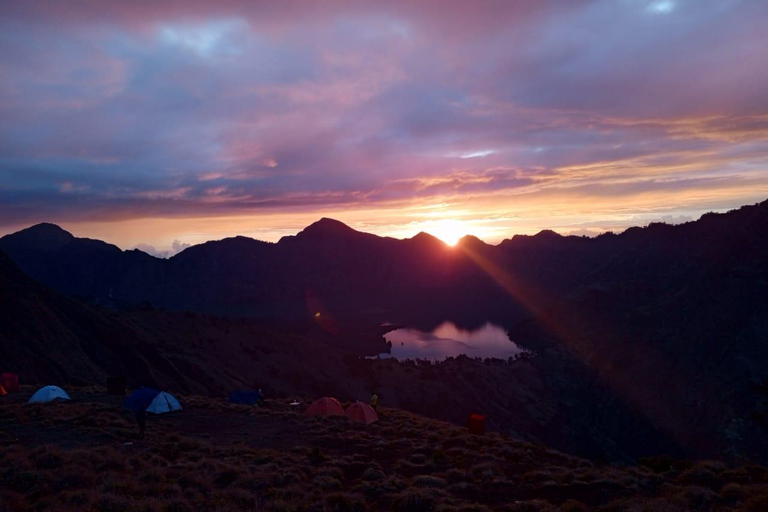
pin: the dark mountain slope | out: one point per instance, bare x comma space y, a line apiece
49, 338
354, 273
659, 331
46, 336
351, 272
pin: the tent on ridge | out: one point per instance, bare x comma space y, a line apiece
244, 397
3, 392
362, 413
325, 406
49, 394
10, 381
151, 400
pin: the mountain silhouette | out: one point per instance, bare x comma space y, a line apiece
357, 272
666, 324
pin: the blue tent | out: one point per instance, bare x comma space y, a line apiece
49, 394
244, 397
151, 400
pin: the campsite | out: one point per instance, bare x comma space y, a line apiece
213, 455
407, 256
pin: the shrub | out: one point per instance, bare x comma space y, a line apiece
48, 459
111, 503
331, 472
316, 456
756, 504
573, 506
242, 499
701, 476
26, 482
283, 478
455, 475
177, 505
664, 463
225, 478
415, 500
327, 483
699, 498
428, 481
530, 506
474, 507
345, 503
281, 505
733, 493
372, 474
79, 498
69, 477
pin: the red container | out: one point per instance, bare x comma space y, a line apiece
10, 381
476, 424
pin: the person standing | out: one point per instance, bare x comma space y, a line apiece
375, 402
141, 420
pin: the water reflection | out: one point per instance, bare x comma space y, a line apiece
447, 340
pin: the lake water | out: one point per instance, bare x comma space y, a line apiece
447, 340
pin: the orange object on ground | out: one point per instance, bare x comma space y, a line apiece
3, 391
325, 406
476, 424
10, 381
362, 413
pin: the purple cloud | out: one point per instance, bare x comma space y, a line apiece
125, 111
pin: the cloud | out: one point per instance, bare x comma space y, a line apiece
173, 109
176, 247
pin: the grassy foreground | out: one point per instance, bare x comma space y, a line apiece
213, 456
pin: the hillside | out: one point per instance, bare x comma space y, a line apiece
51, 339
650, 341
82, 455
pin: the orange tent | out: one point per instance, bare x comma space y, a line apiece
361, 412
325, 406
10, 381
3, 391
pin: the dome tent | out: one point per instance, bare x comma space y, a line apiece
325, 406
151, 400
49, 394
244, 397
362, 413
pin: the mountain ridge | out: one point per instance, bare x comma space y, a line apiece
658, 330
328, 227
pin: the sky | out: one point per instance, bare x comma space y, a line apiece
163, 124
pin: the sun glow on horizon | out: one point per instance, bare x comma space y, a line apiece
449, 231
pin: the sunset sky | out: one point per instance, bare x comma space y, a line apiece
140, 123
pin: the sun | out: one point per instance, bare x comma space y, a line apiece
449, 231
